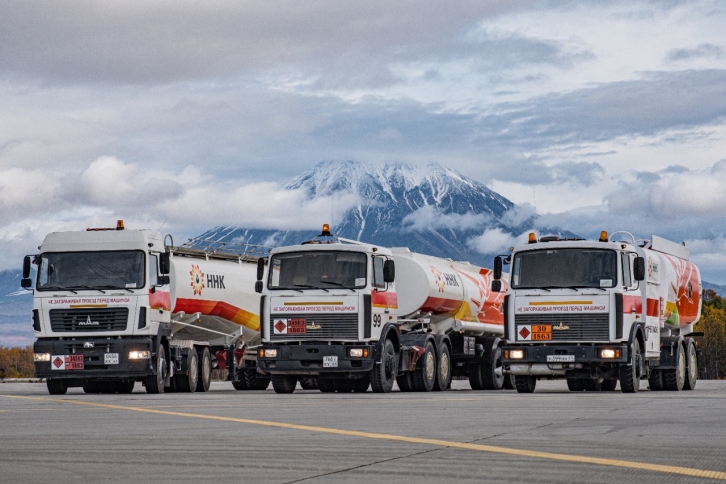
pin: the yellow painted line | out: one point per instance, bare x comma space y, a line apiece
559, 303
645, 466
331, 303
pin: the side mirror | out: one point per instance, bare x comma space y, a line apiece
639, 269
497, 268
163, 280
496, 285
258, 286
26, 283
26, 267
389, 271
260, 269
164, 263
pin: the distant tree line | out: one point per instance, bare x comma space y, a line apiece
16, 362
712, 358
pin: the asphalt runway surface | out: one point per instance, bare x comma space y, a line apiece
454, 436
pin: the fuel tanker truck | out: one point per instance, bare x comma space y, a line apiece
595, 312
341, 315
113, 307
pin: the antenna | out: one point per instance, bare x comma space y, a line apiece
158, 231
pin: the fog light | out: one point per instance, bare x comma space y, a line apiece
139, 355
356, 352
516, 354
609, 353
41, 356
268, 353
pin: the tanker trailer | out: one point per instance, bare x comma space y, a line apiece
595, 312
353, 315
112, 307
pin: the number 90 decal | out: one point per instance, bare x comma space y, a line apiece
377, 318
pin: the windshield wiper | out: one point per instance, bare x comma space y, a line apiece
338, 284
308, 286
57, 288
88, 287
114, 287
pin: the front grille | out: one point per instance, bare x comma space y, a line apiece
108, 319
332, 327
582, 327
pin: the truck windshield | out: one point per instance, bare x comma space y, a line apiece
91, 270
553, 268
317, 270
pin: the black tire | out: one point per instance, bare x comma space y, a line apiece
325, 385
125, 386
308, 383
239, 382
56, 386
284, 383
188, 383
576, 384
361, 384
255, 381
492, 371
592, 385
443, 369
609, 385
384, 373
630, 375
204, 380
343, 385
424, 376
525, 384
475, 378
655, 380
91, 387
155, 383
691, 366
405, 382
675, 378
509, 382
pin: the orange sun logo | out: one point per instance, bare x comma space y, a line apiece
438, 278
197, 280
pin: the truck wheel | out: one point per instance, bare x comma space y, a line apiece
325, 385
125, 386
676, 378
592, 385
343, 385
655, 380
205, 370
509, 382
384, 373
525, 383
256, 381
189, 382
284, 383
91, 387
609, 385
443, 373
405, 382
630, 375
575, 384
361, 384
155, 383
56, 386
424, 377
475, 378
239, 382
691, 367
308, 383
491, 372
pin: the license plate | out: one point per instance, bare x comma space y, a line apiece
330, 361
296, 326
66, 362
110, 359
560, 358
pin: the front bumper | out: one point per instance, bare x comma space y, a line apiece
308, 359
93, 358
557, 360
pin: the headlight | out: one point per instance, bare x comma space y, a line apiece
268, 353
359, 352
139, 355
41, 356
609, 353
516, 354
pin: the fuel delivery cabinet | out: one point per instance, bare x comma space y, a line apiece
595, 312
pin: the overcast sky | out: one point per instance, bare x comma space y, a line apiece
598, 115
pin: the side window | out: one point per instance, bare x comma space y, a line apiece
378, 273
627, 279
153, 270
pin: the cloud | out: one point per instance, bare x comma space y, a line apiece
495, 241
701, 51
428, 217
